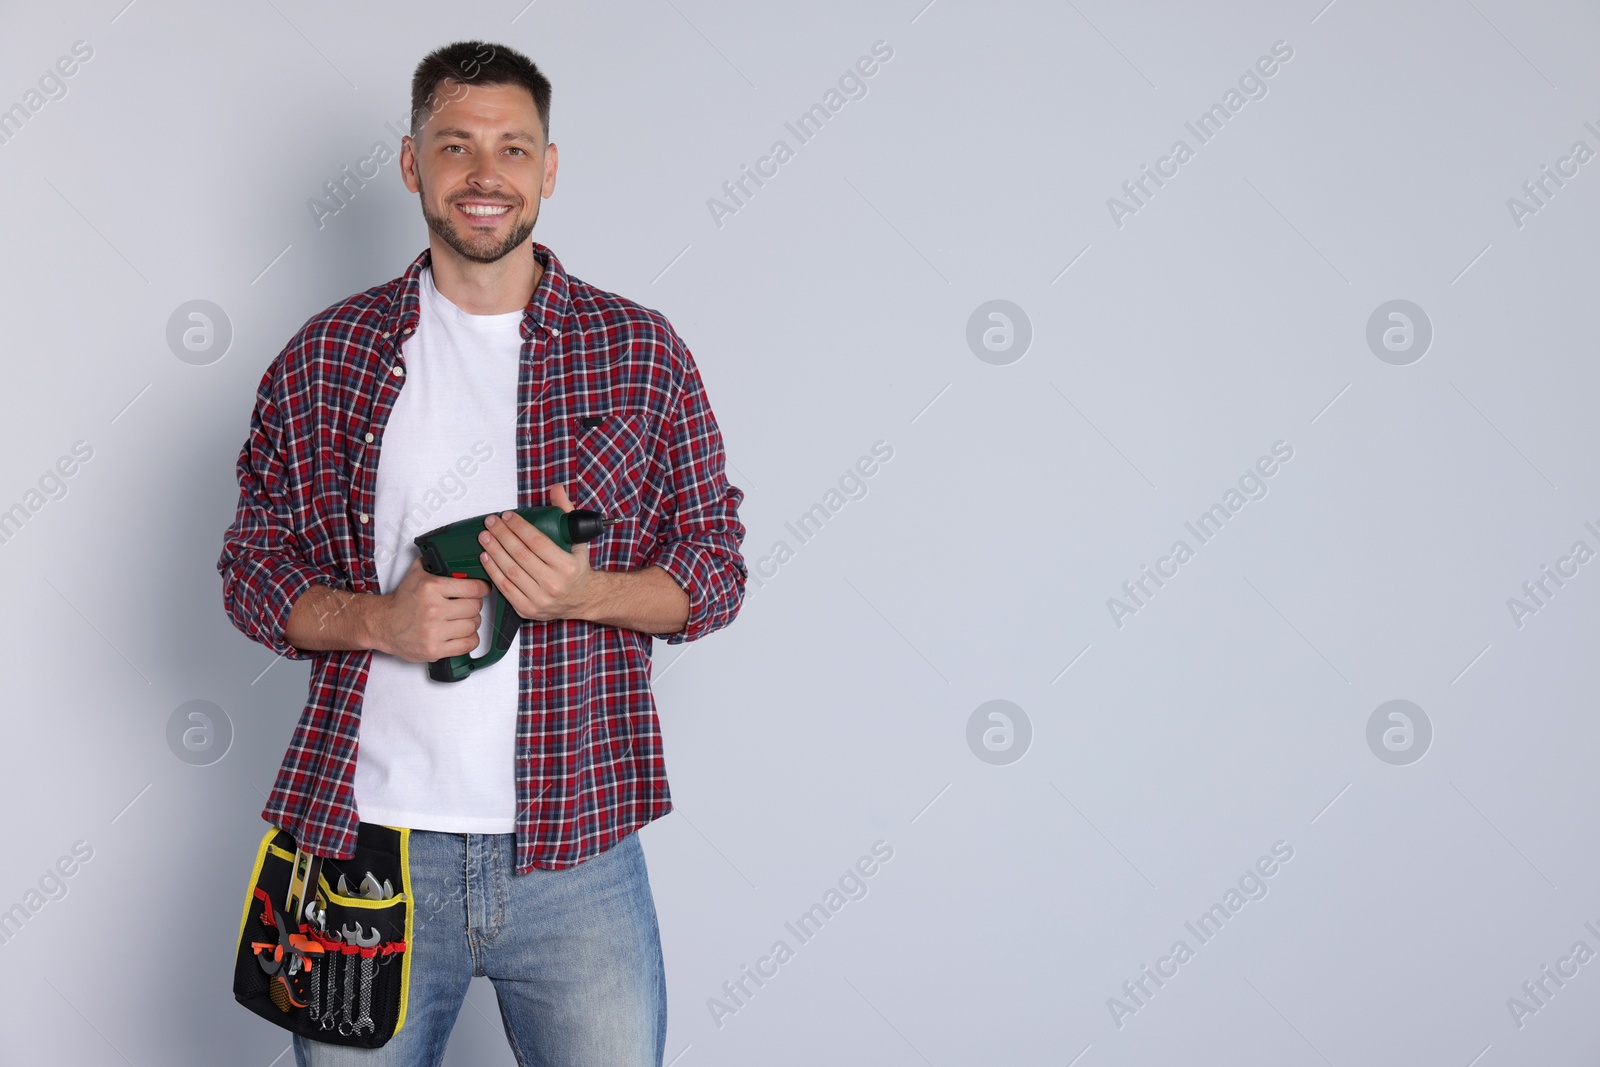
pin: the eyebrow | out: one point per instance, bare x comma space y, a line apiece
457, 132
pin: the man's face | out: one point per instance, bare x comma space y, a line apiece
481, 167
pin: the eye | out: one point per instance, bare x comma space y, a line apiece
519, 151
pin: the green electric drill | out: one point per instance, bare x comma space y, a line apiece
453, 550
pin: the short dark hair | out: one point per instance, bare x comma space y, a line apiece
476, 63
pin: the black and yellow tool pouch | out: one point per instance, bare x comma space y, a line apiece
340, 971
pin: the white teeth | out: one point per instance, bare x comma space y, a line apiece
478, 209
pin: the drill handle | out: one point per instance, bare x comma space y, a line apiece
506, 624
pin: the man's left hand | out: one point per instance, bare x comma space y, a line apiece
538, 579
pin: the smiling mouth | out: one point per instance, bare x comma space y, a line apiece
486, 212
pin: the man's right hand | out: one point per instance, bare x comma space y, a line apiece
429, 617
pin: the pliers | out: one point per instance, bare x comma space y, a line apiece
292, 955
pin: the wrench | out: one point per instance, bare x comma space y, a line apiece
364, 1021
369, 889
315, 999
355, 937
347, 1025
332, 961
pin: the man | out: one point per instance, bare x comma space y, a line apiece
487, 377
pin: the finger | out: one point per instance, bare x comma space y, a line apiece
559, 497
515, 566
462, 608
508, 589
461, 587
467, 627
525, 544
460, 646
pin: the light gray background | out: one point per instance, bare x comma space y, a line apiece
829, 313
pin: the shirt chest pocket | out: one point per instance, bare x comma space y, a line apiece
611, 455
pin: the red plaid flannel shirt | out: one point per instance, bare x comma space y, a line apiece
588, 748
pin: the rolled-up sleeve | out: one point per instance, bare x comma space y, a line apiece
262, 563
702, 532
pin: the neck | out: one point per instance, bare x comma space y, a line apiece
485, 288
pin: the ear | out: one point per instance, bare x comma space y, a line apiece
408, 164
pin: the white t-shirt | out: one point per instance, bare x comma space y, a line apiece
441, 755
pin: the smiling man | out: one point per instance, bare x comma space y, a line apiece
488, 368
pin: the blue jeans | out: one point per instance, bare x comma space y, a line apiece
574, 955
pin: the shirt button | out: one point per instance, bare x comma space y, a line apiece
555, 330
363, 518
369, 438
398, 371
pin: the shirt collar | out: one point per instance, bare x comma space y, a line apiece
546, 310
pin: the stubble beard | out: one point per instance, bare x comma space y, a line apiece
479, 249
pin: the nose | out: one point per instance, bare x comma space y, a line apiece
485, 172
